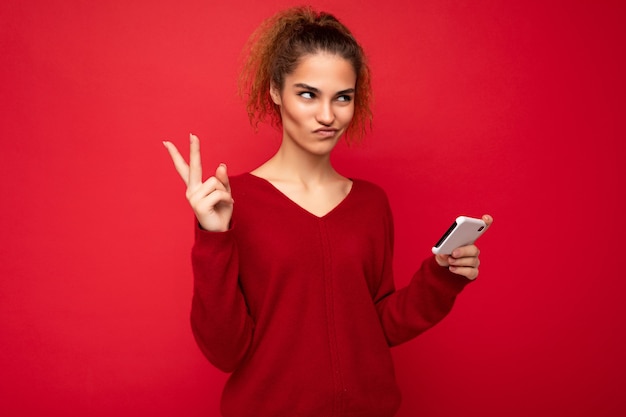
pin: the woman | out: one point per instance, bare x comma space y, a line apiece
293, 285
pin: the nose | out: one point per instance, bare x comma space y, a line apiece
325, 114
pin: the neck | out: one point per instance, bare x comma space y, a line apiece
294, 164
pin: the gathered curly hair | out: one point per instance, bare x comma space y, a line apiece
274, 51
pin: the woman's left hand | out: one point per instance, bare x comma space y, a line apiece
464, 260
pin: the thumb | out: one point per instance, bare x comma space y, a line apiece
442, 260
487, 219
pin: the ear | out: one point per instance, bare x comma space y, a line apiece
275, 93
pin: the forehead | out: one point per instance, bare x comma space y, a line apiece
324, 71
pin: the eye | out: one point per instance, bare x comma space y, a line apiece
307, 94
344, 98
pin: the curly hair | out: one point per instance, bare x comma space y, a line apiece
275, 49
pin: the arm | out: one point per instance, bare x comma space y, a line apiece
220, 321
427, 299
430, 295
219, 315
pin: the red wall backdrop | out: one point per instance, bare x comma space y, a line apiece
513, 108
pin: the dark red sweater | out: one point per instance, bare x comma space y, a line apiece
303, 310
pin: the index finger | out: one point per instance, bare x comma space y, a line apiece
195, 163
179, 162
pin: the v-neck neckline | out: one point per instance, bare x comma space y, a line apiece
298, 206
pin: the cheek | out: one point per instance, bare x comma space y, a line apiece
346, 113
297, 112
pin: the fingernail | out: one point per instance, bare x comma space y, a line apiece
190, 137
223, 164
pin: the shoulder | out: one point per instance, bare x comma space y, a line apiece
368, 188
241, 178
370, 194
370, 201
247, 189
243, 183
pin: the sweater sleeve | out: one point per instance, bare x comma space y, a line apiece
220, 320
426, 300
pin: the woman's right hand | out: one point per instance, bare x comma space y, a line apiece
210, 200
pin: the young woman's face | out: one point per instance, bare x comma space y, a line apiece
317, 102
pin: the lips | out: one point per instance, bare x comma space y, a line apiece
326, 132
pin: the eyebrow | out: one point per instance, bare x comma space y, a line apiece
317, 90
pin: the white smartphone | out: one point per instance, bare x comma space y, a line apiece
464, 231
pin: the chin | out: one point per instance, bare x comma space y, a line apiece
324, 146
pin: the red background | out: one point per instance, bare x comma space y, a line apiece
511, 108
